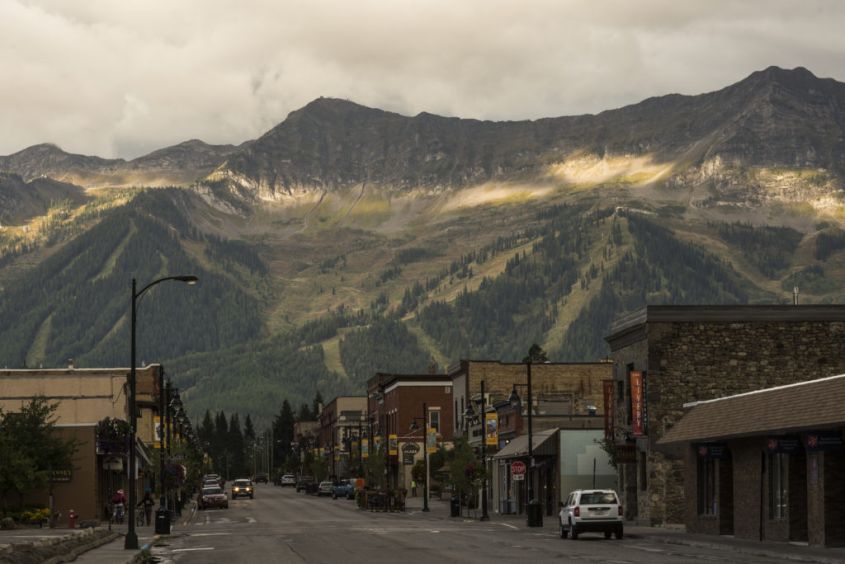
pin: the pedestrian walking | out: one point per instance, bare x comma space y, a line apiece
147, 503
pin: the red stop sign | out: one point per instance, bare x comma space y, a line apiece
517, 468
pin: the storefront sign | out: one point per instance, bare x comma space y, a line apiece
365, 448
393, 445
713, 451
821, 441
785, 445
431, 440
638, 425
61, 475
409, 451
113, 463
491, 429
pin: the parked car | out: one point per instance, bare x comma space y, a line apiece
591, 511
303, 482
242, 488
213, 496
325, 488
287, 480
343, 488
262, 478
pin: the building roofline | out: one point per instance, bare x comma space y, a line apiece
724, 314
458, 367
71, 371
764, 391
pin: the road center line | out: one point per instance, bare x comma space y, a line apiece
509, 525
192, 549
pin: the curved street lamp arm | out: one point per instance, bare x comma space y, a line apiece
186, 279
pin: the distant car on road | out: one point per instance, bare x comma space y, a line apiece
242, 488
287, 480
591, 511
262, 478
343, 488
302, 483
213, 496
325, 488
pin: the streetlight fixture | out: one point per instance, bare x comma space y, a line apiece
535, 513
471, 416
415, 427
131, 541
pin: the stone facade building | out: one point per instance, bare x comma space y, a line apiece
341, 423
671, 355
767, 465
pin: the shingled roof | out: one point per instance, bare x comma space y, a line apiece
815, 404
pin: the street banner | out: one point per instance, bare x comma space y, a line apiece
353, 446
491, 429
393, 445
607, 386
158, 431
431, 440
637, 404
365, 448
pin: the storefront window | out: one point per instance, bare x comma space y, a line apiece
706, 486
778, 494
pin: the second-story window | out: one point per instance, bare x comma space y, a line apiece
434, 419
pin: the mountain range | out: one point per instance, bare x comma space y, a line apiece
349, 239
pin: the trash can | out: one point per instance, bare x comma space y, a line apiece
162, 522
455, 506
535, 513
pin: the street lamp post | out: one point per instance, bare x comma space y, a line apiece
131, 540
471, 417
414, 427
535, 515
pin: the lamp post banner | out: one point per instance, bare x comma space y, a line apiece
365, 448
431, 440
393, 445
491, 429
159, 429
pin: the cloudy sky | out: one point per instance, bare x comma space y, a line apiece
122, 78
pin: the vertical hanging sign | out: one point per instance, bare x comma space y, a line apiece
637, 404
491, 429
159, 431
431, 440
607, 386
393, 445
365, 448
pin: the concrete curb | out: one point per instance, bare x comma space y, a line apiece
80, 550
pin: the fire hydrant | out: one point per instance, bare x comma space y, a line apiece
71, 519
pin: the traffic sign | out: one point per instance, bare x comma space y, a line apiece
518, 470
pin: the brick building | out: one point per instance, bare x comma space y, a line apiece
666, 356
768, 464
341, 424
395, 401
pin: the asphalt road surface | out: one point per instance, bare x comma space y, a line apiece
283, 526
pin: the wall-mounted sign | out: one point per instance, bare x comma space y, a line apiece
61, 475
113, 463
409, 451
786, 445
823, 440
638, 415
491, 429
712, 451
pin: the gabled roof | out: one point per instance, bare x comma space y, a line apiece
811, 405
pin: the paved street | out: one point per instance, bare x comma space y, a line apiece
280, 525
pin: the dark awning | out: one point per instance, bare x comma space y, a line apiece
543, 442
812, 405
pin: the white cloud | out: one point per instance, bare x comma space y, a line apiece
123, 78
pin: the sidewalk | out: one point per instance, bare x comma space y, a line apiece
797, 552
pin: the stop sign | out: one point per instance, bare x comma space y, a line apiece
518, 468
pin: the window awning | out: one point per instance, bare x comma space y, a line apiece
812, 405
543, 442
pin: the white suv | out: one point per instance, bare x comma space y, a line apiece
593, 511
